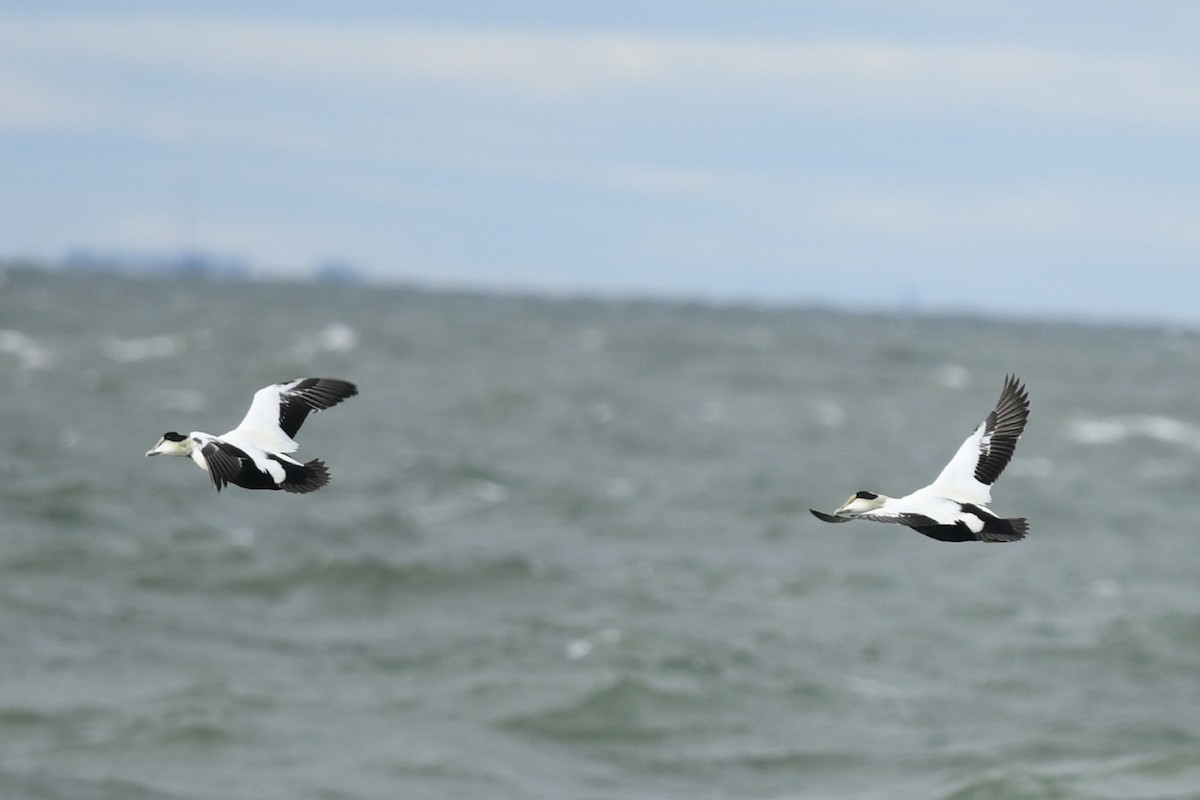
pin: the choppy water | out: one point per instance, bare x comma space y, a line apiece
566, 554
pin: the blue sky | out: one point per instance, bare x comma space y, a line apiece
1020, 158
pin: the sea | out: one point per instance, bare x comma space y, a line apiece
567, 552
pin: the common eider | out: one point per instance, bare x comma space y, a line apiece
254, 454
954, 508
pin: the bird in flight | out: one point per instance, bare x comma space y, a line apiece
954, 508
254, 455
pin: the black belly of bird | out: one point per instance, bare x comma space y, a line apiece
995, 529
251, 477
958, 532
298, 478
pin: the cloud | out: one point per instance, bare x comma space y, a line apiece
473, 151
854, 77
27, 103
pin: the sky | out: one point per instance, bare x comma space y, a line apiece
1029, 159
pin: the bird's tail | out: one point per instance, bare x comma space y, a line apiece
304, 478
1012, 529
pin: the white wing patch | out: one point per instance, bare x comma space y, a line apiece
986, 452
959, 475
279, 410
260, 426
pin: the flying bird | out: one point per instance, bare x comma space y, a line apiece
954, 508
254, 454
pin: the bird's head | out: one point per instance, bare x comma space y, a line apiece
172, 444
860, 503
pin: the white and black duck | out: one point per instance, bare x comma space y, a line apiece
254, 455
954, 508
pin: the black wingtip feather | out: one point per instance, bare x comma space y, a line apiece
1004, 426
307, 478
310, 395
1012, 529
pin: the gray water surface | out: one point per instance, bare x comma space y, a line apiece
566, 553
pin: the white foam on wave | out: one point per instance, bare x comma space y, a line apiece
1118, 429
875, 689
143, 348
1105, 588
580, 648
29, 353
337, 337
491, 492
829, 414
1032, 467
954, 376
188, 400
620, 488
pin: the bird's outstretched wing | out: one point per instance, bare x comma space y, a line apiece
279, 410
987, 451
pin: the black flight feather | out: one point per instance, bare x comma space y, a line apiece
310, 394
1001, 431
225, 463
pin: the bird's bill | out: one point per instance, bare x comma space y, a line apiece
828, 517
844, 511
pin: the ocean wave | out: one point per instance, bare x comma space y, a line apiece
187, 400
1163, 774
789, 760
46, 490
337, 337
1015, 787
30, 355
625, 709
372, 579
64, 500
145, 348
1184, 761
53, 784
1118, 429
